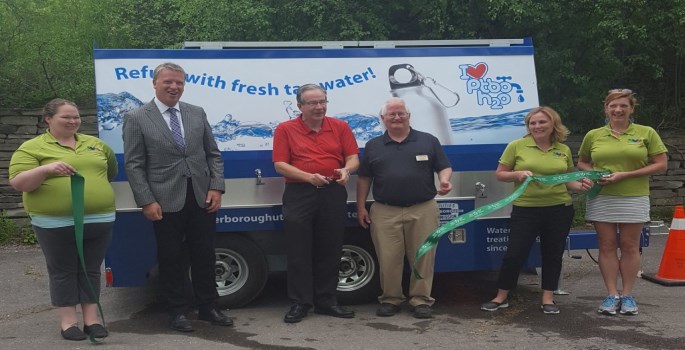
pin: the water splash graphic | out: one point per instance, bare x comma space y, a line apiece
233, 134
112, 107
489, 121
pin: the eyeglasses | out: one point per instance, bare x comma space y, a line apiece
627, 91
397, 114
315, 103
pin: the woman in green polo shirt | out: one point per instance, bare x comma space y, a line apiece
41, 168
542, 210
631, 152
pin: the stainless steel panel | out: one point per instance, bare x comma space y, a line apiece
494, 190
245, 192
123, 197
239, 193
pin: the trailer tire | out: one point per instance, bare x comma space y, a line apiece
241, 270
359, 275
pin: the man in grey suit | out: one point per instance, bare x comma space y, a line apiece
176, 173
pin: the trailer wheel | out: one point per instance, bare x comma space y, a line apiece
358, 277
241, 270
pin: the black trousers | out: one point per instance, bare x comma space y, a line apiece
552, 225
187, 237
314, 222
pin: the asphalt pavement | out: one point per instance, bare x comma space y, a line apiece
136, 321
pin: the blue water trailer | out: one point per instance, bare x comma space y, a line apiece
471, 94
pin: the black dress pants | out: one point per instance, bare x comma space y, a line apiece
552, 225
314, 222
183, 237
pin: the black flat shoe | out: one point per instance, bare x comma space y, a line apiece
423, 311
73, 333
216, 318
296, 313
181, 323
494, 306
96, 330
335, 311
387, 309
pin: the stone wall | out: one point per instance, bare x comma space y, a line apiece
17, 126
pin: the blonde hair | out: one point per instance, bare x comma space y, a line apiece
560, 132
621, 93
167, 65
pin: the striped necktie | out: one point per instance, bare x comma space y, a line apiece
176, 129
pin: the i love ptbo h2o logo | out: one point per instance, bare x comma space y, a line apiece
493, 93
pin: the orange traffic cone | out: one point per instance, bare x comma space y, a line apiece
672, 267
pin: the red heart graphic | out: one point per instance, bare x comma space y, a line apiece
478, 71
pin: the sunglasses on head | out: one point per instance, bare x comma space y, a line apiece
627, 91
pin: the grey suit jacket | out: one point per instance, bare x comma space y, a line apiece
157, 170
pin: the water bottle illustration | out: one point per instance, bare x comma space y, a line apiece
290, 110
428, 108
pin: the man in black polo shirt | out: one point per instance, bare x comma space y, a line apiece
401, 164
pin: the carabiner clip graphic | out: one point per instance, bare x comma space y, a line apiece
449, 98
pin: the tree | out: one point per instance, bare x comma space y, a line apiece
583, 48
47, 51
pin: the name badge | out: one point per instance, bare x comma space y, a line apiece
422, 158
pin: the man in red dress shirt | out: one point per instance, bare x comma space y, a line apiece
315, 154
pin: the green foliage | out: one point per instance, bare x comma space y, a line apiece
46, 51
305, 20
664, 214
10, 232
7, 227
238, 20
579, 210
28, 237
583, 47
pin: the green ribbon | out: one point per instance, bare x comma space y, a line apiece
461, 220
78, 211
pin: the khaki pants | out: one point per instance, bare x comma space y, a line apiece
400, 231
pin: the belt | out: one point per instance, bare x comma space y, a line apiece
307, 184
393, 204
330, 184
